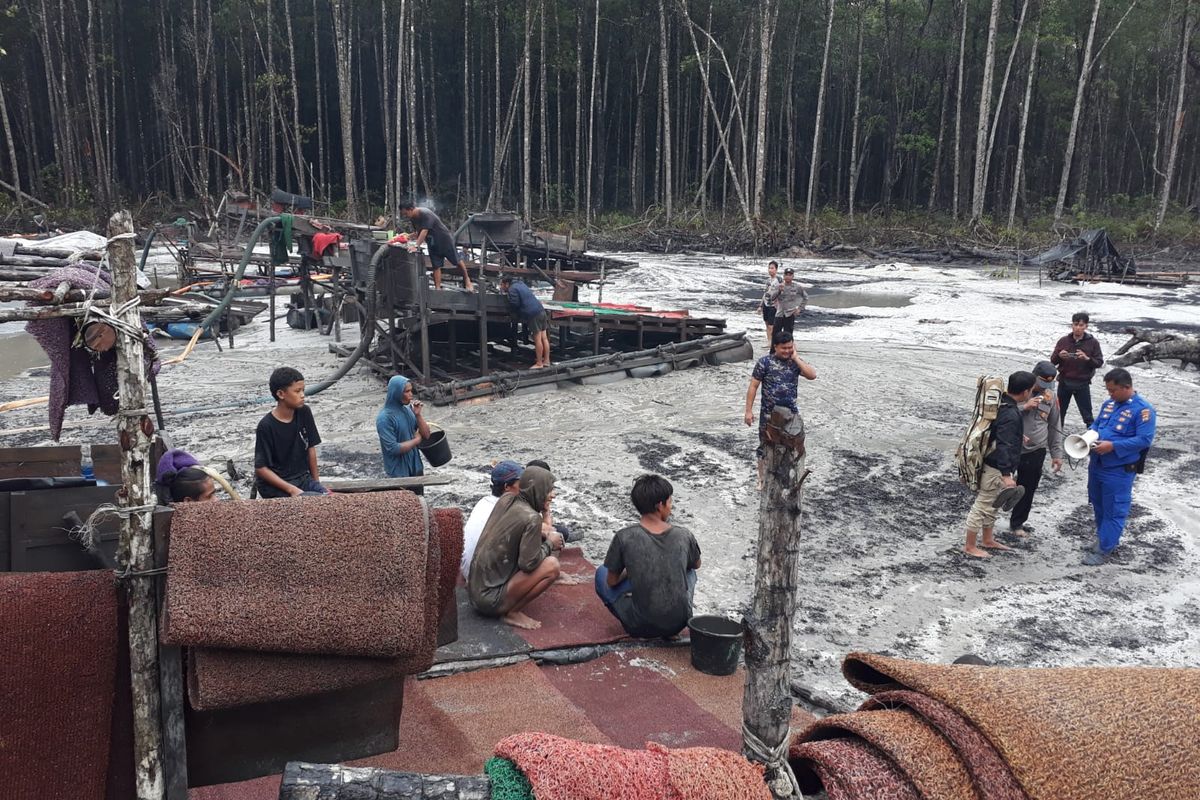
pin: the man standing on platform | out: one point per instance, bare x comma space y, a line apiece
431, 230
1126, 426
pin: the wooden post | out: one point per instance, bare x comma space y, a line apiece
767, 703
136, 552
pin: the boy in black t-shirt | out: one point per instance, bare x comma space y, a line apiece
649, 575
285, 441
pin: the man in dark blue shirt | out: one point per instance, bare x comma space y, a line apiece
529, 309
779, 375
1126, 425
433, 232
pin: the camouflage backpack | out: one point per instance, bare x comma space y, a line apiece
977, 442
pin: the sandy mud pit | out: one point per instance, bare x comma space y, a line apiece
897, 350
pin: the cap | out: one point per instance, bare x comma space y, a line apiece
1044, 369
789, 271
506, 472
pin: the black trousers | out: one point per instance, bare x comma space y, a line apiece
784, 323
1083, 398
1029, 475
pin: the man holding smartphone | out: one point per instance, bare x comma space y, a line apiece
1077, 356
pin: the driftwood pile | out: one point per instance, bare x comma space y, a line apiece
22, 263
1146, 346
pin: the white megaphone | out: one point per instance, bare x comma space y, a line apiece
1080, 444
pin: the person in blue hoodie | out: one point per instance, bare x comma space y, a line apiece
401, 427
527, 308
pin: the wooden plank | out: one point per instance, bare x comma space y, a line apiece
39, 462
6, 526
39, 534
384, 484
303, 781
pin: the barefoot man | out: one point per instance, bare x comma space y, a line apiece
513, 562
1000, 468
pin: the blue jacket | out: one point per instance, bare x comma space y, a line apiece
1129, 426
522, 302
397, 423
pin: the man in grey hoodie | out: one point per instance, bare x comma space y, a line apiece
1042, 429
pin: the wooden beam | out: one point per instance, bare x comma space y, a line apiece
303, 781
767, 702
136, 552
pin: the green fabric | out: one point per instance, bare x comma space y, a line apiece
508, 782
281, 240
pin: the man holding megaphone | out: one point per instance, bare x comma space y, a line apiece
1123, 433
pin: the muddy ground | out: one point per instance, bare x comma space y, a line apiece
897, 349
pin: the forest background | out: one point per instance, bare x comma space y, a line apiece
997, 120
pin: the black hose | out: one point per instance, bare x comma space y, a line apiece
223, 306
368, 331
146, 249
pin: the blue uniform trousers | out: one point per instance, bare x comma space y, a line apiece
1110, 491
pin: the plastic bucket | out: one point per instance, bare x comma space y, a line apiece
436, 448
716, 644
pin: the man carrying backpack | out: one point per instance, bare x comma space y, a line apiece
998, 485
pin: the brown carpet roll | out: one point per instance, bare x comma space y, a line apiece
916, 749
58, 659
848, 769
992, 777
340, 575
1067, 733
225, 678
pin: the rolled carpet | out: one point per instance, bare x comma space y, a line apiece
991, 776
564, 769
917, 749
226, 678
340, 575
58, 640
1067, 733
848, 769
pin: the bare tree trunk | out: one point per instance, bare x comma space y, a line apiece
1080, 87
297, 131
527, 121
958, 93
636, 177
936, 180
815, 166
466, 98
400, 192
592, 112
985, 105
995, 121
341, 38
665, 94
768, 14
1033, 54
12, 147
1177, 125
854, 154
575, 181
543, 115
96, 112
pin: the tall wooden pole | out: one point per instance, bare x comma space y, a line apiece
767, 703
136, 553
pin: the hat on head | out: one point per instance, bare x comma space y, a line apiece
789, 271
506, 472
1044, 369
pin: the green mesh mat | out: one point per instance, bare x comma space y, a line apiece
508, 782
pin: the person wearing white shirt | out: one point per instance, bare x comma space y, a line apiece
506, 478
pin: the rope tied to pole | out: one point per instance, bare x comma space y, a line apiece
773, 758
85, 534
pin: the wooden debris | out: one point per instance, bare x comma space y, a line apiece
303, 781
1146, 346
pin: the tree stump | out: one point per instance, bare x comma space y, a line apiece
767, 703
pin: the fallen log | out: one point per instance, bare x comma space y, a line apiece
22, 195
303, 781
189, 311
16, 293
1146, 346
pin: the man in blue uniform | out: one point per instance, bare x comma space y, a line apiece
1126, 426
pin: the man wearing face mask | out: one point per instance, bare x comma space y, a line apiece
1042, 429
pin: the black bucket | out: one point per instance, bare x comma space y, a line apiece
436, 448
716, 644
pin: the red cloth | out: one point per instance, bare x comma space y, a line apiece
321, 241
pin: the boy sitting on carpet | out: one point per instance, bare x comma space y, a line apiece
285, 442
649, 575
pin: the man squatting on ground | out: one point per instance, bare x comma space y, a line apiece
1042, 428
513, 563
285, 441
527, 308
999, 466
506, 479
648, 578
431, 229
790, 299
1126, 426
1077, 356
779, 375
768, 299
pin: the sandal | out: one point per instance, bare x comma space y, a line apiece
1008, 498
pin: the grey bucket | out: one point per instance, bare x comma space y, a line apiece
716, 644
